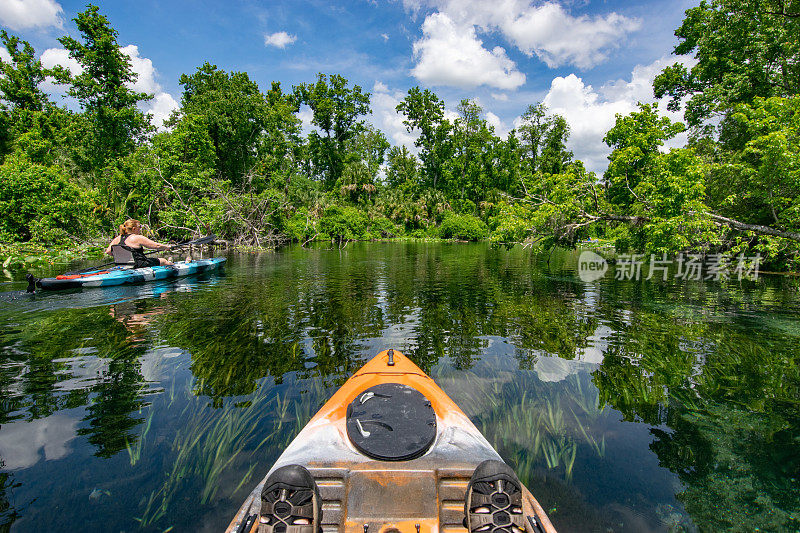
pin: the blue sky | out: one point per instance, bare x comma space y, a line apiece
587, 60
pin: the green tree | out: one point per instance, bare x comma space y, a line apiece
532, 130
754, 180
470, 164
402, 170
30, 121
370, 147
164, 181
635, 140
744, 49
337, 110
509, 164
39, 202
21, 77
554, 156
280, 150
543, 140
235, 113
424, 112
747, 73
357, 182
659, 197
115, 122
562, 206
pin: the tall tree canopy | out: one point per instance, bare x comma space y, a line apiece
424, 113
744, 49
21, 77
543, 140
103, 88
234, 111
635, 140
337, 111
28, 119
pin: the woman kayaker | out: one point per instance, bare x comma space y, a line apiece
130, 237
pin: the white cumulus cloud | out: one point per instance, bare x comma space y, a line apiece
279, 39
161, 107
592, 112
558, 38
4, 55
143, 67
500, 129
546, 30
59, 56
25, 14
451, 54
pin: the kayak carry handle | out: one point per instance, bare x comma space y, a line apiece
247, 524
391, 357
31, 283
535, 525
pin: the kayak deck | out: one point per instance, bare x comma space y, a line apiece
122, 275
360, 493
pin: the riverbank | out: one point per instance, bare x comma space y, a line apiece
19, 258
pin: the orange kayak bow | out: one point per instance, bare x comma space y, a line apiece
376, 477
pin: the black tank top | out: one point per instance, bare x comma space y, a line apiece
137, 253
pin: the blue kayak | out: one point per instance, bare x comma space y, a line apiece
121, 275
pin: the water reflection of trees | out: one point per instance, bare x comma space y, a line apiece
724, 400
8, 513
311, 315
721, 396
259, 329
72, 358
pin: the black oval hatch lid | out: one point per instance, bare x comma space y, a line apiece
391, 422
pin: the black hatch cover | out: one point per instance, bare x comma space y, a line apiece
391, 422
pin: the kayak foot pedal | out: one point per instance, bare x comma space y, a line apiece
290, 501
494, 499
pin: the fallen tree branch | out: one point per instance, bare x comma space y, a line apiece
755, 228
157, 168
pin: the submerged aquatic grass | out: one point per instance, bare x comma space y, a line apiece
211, 440
529, 424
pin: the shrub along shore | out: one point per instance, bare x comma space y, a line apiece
234, 160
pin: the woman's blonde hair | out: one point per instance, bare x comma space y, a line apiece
128, 226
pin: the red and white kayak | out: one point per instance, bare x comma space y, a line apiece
390, 452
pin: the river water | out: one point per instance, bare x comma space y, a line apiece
623, 405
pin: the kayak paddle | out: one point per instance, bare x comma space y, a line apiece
202, 240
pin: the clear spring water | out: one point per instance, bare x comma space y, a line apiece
624, 406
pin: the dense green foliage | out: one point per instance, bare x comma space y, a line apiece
466, 227
744, 49
38, 202
234, 160
741, 101
113, 125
